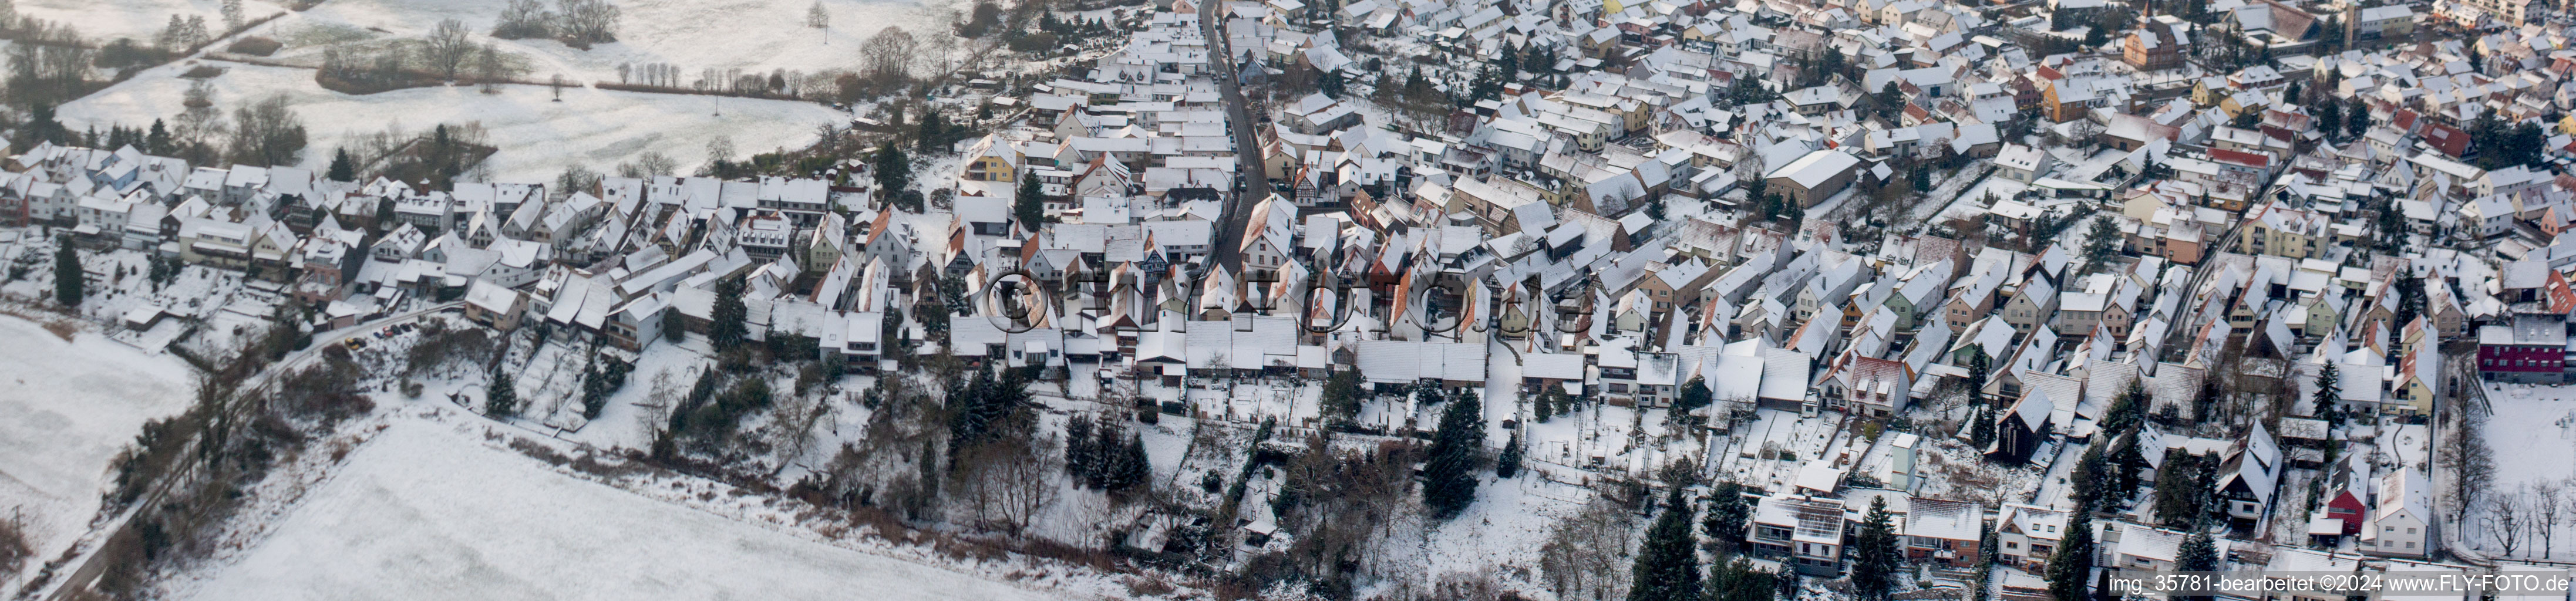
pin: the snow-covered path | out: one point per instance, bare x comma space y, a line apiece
1502, 391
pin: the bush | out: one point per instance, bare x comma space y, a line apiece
14, 549
328, 391
439, 345
254, 46
124, 53
1033, 42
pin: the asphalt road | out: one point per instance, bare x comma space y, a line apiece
1226, 247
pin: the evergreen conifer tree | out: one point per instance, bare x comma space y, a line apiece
502, 400
1874, 550
594, 392
1107, 444
2086, 478
157, 141
341, 169
69, 282
2072, 566
1667, 561
1077, 448
725, 327
1694, 395
1030, 206
1132, 470
1739, 580
1978, 366
2179, 494
1727, 512
2198, 554
2124, 463
1341, 399
893, 173
1509, 463
1450, 479
2328, 400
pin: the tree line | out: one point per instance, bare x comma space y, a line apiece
576, 23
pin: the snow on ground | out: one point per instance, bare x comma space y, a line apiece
537, 138
1509, 521
1948, 193
1293, 401
1767, 452
634, 412
755, 36
65, 410
426, 512
2056, 489
1954, 471
139, 20
1973, 202
1502, 393
2531, 433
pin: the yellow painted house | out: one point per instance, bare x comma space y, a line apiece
994, 161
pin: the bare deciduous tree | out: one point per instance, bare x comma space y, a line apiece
2546, 512
266, 133
575, 178
580, 23
523, 19
816, 18
14, 548
1009, 481
2503, 519
447, 48
656, 409
649, 164
887, 57
720, 149
2466, 456
1586, 558
489, 69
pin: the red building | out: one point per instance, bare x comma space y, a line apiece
2347, 507
2532, 350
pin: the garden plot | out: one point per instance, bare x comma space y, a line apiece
65, 410
425, 512
537, 137
662, 373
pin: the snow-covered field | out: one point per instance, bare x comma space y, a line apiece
139, 20
752, 35
536, 136
65, 410
426, 512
